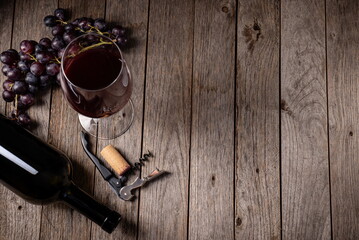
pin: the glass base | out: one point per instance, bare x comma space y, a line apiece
109, 127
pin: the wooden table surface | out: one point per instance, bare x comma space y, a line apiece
252, 106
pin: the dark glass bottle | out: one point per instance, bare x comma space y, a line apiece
41, 174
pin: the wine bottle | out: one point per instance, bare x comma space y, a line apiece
41, 174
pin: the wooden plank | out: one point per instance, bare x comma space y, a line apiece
9, 202
6, 23
59, 221
164, 203
211, 209
343, 82
24, 219
258, 124
134, 15
305, 174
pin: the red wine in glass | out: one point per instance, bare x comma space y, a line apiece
97, 83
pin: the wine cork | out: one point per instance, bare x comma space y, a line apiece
115, 160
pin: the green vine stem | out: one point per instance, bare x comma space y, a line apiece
57, 60
95, 45
62, 22
32, 57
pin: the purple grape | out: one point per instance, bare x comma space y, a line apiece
121, 41
58, 30
61, 14
7, 85
5, 69
91, 39
69, 36
24, 119
27, 46
13, 51
58, 43
31, 79
58, 79
9, 57
46, 42
69, 27
19, 87
23, 66
33, 42
8, 96
37, 68
52, 51
73, 49
27, 99
100, 24
75, 22
39, 48
24, 56
14, 74
44, 57
33, 88
118, 31
91, 21
45, 81
51, 21
85, 24
52, 69
60, 53
22, 106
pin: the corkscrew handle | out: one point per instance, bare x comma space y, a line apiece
126, 192
106, 174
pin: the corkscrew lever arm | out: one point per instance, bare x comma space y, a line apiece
106, 174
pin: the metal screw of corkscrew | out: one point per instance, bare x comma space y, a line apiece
141, 160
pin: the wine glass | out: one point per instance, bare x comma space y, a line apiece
97, 84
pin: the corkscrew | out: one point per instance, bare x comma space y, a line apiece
120, 166
141, 160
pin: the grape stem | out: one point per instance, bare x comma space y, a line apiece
95, 45
57, 60
32, 57
97, 30
80, 29
62, 22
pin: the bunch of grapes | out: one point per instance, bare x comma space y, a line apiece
37, 65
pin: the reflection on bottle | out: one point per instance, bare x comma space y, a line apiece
17, 161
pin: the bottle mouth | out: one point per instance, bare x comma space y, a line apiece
111, 222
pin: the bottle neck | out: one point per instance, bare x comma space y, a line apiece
85, 204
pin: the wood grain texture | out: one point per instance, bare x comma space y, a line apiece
6, 14
212, 146
164, 204
305, 173
10, 204
258, 127
28, 24
24, 220
58, 220
134, 15
343, 90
